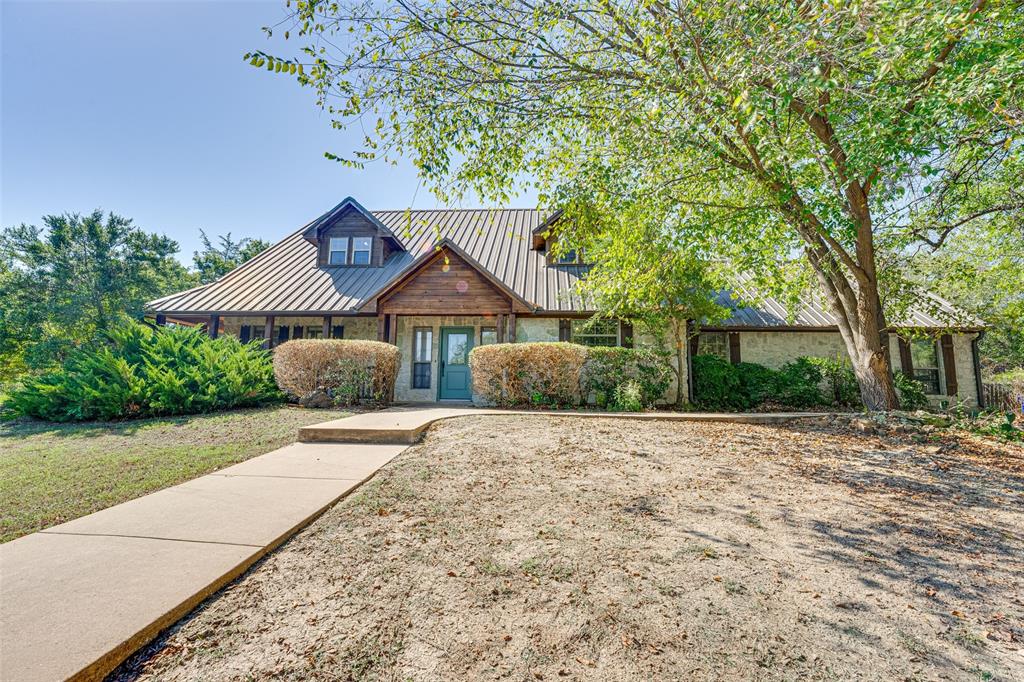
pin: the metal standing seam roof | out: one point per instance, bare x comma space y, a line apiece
286, 278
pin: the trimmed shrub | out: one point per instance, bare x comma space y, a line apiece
606, 369
910, 392
140, 371
716, 384
514, 374
757, 383
799, 384
840, 381
343, 371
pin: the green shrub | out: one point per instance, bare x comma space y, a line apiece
840, 381
515, 374
799, 384
342, 371
910, 392
606, 368
757, 383
716, 384
628, 397
140, 371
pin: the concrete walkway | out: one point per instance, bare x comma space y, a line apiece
78, 598
406, 424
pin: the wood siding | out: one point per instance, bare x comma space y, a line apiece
433, 291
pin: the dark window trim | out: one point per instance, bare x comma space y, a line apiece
428, 362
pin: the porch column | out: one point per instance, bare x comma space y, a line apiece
501, 328
381, 322
268, 332
511, 327
327, 327
213, 326
161, 319
392, 329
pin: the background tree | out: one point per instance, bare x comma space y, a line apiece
213, 262
78, 275
640, 273
768, 129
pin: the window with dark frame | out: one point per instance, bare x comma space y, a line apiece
313, 332
337, 251
362, 248
924, 355
488, 335
713, 343
422, 347
595, 333
568, 258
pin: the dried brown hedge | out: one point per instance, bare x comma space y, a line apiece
347, 371
510, 374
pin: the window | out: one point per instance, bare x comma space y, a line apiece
713, 343
595, 333
338, 247
924, 356
314, 332
488, 335
361, 248
568, 258
257, 331
422, 342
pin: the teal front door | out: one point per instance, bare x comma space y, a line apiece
456, 342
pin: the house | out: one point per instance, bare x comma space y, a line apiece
439, 282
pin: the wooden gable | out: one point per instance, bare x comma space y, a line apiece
438, 287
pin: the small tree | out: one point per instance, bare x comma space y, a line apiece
213, 262
641, 274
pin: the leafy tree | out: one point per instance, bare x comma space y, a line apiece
761, 129
63, 284
639, 272
213, 262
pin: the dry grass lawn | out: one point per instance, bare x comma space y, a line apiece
533, 548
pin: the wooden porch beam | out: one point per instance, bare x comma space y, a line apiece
512, 328
213, 326
327, 327
392, 329
268, 332
381, 321
501, 328
161, 319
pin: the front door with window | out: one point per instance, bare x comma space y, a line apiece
454, 384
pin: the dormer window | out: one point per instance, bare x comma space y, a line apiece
338, 251
362, 248
568, 258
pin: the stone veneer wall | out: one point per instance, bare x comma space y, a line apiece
364, 328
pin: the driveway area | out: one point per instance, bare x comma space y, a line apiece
526, 547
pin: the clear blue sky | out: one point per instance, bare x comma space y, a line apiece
147, 109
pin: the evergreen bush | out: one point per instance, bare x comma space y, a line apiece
716, 384
141, 371
606, 368
799, 384
910, 392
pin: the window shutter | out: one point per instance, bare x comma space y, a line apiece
626, 333
949, 363
338, 332
906, 363
565, 330
245, 333
297, 332
734, 347
282, 333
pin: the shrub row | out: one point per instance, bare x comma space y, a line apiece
138, 371
519, 374
323, 372
721, 385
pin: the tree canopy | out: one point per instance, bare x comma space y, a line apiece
213, 262
758, 132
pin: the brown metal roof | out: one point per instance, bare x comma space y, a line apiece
286, 279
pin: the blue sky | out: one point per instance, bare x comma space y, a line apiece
147, 109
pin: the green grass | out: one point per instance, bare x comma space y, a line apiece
52, 473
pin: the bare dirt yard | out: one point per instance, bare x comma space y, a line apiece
534, 548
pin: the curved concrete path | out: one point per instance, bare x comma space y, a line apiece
78, 598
